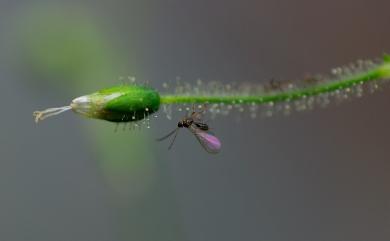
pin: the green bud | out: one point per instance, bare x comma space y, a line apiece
117, 104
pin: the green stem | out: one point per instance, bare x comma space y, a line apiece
382, 71
128, 103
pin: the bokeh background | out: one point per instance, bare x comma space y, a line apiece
320, 175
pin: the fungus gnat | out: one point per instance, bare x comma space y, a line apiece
201, 131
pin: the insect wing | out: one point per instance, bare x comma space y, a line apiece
198, 116
209, 142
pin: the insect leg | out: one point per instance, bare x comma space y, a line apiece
173, 140
168, 135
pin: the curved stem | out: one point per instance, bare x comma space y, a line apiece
381, 71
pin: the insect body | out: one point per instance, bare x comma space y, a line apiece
200, 130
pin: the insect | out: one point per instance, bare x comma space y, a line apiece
201, 131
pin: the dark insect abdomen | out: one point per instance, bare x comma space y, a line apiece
202, 126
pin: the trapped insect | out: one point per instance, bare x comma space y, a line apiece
201, 131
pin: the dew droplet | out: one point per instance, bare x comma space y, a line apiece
131, 79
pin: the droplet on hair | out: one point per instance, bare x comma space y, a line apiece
167, 109
131, 79
287, 109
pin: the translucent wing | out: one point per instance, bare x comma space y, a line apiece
198, 116
209, 142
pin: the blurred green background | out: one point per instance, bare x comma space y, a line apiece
318, 175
